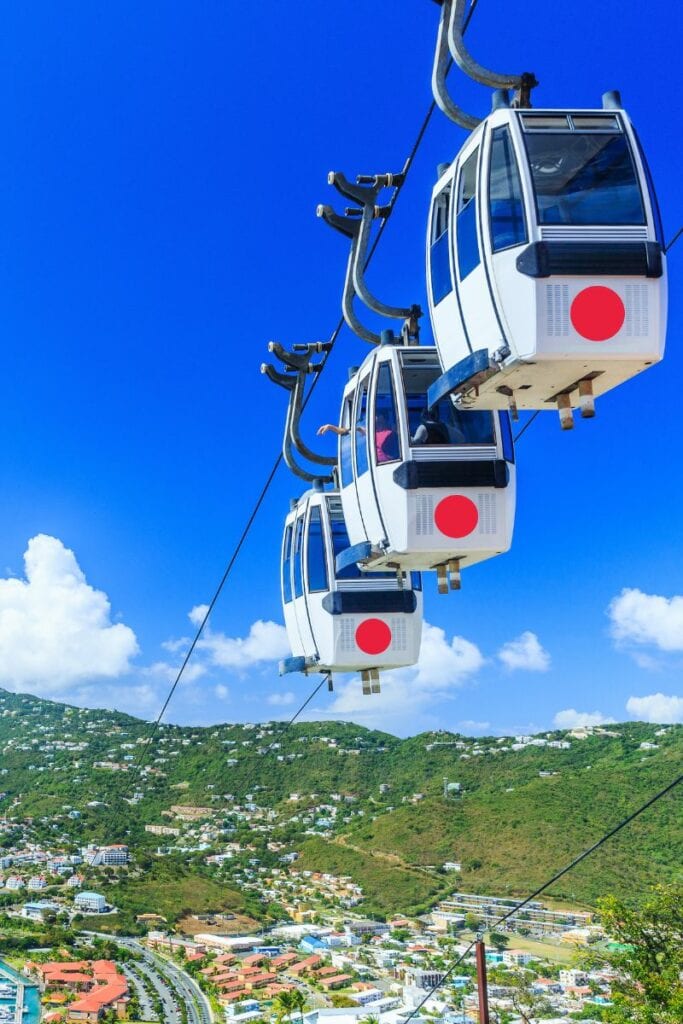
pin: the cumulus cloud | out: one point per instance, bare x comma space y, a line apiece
640, 618
56, 629
657, 708
282, 700
572, 719
525, 652
266, 641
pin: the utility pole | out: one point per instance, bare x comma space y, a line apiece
482, 989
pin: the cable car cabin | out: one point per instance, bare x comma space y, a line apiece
545, 263
421, 488
342, 621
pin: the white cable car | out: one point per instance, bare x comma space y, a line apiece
342, 620
545, 261
421, 488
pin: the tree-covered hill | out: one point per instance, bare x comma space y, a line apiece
354, 801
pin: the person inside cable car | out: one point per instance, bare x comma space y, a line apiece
431, 430
386, 438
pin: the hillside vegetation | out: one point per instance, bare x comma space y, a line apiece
523, 810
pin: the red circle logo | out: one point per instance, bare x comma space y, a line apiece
456, 516
597, 313
373, 636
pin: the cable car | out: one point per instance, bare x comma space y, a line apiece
546, 271
342, 620
421, 487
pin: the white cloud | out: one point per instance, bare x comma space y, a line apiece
266, 641
167, 671
55, 629
525, 652
282, 699
221, 691
657, 707
647, 619
469, 725
572, 719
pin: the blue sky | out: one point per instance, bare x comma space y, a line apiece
161, 168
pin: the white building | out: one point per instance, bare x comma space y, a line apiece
516, 957
91, 902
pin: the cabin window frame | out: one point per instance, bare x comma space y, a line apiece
386, 367
505, 128
588, 132
297, 557
471, 227
359, 427
440, 245
286, 575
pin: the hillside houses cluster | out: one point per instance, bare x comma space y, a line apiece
382, 969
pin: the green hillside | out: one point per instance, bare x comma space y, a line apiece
348, 800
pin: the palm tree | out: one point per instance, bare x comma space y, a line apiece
283, 1005
300, 1002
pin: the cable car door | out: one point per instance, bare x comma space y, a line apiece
298, 584
288, 610
365, 487
316, 578
504, 229
472, 281
384, 446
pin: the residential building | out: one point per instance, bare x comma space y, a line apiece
90, 902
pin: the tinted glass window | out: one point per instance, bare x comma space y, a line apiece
287, 565
387, 442
345, 462
316, 564
439, 257
445, 424
298, 556
360, 433
506, 207
466, 220
582, 178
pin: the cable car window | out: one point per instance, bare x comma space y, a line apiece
416, 580
360, 433
536, 122
387, 441
345, 459
340, 542
582, 178
444, 424
315, 553
602, 122
439, 257
298, 567
506, 206
466, 221
287, 566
